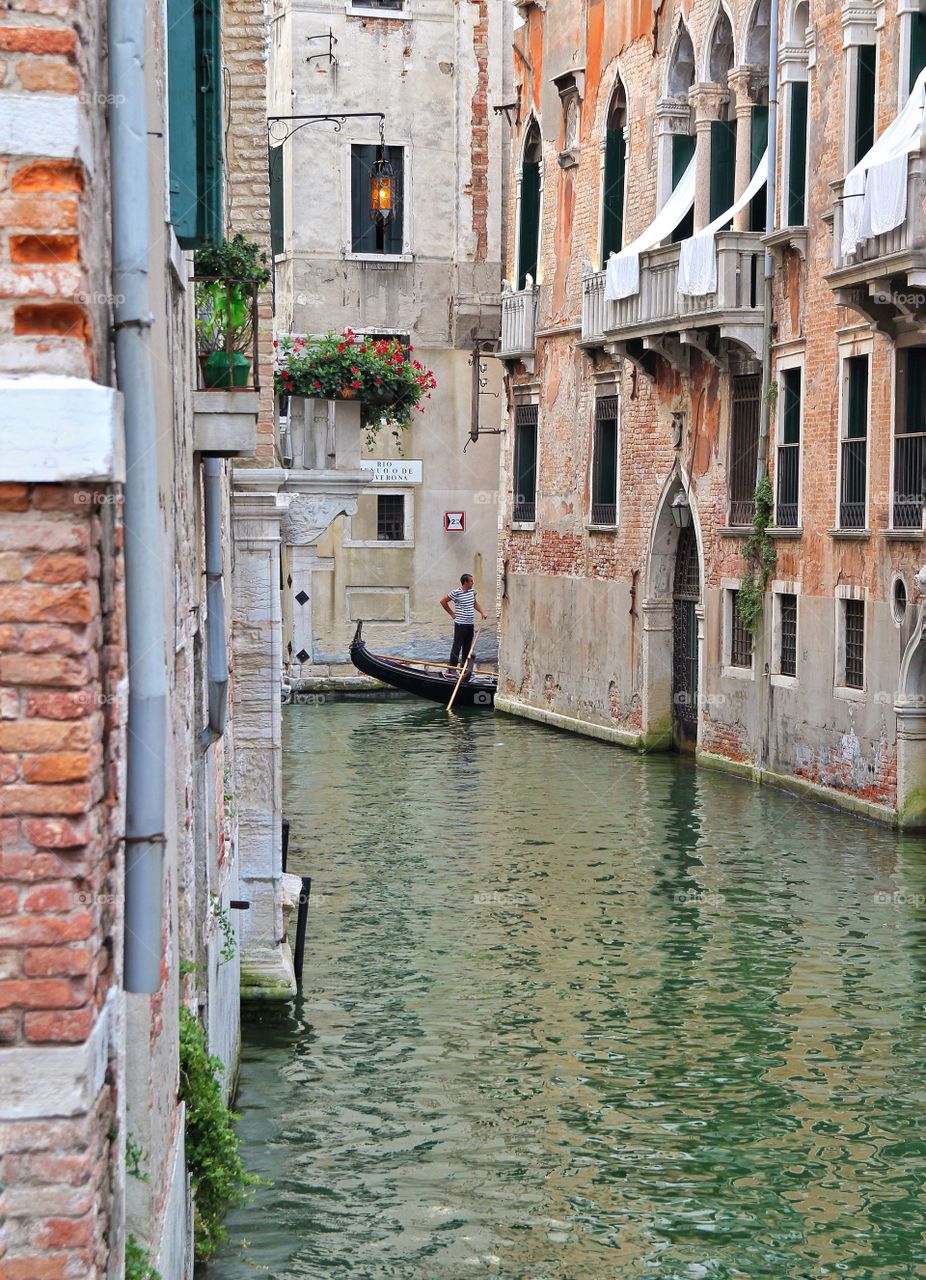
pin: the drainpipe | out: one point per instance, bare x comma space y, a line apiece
146, 739
216, 649
769, 262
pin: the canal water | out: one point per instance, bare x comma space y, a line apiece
570, 1014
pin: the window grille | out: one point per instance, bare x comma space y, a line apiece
910, 440
390, 517
740, 639
604, 466
854, 618
855, 445
787, 618
525, 463
789, 450
744, 447
395, 5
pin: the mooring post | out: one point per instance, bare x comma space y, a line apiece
302, 918
285, 843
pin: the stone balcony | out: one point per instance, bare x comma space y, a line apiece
659, 321
519, 325
885, 279
225, 423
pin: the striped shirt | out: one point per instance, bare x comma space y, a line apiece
463, 602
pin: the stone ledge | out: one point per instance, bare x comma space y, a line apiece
56, 429
588, 728
225, 423
45, 1082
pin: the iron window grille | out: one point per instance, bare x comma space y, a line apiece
524, 509
744, 447
787, 621
390, 517
740, 639
854, 483
910, 440
789, 451
854, 622
604, 464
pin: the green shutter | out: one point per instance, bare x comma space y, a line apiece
791, 406
917, 45
526, 463
758, 145
194, 89
723, 165
366, 237
529, 229
797, 156
276, 200
915, 406
683, 148
612, 239
864, 101
857, 414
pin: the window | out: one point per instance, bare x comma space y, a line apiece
789, 449
917, 45
787, 633
758, 145
683, 149
865, 58
525, 463
615, 157
740, 639
390, 517
529, 213
194, 91
368, 236
604, 461
853, 644
796, 194
854, 453
744, 447
396, 6
723, 165
910, 440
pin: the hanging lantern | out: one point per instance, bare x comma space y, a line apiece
681, 511
381, 189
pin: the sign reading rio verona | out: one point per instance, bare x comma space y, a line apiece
393, 470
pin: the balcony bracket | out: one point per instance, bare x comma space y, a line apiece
672, 351
692, 338
747, 336
622, 351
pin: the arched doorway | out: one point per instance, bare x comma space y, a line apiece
686, 596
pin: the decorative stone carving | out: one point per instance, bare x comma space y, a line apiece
309, 515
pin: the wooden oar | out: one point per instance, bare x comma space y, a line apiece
420, 662
472, 648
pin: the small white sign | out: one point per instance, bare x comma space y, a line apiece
393, 470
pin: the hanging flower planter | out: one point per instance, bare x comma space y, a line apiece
379, 372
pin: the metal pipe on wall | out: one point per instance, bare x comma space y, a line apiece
769, 261
216, 643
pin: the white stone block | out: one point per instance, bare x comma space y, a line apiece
55, 429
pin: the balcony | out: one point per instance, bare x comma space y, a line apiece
659, 321
519, 325
885, 279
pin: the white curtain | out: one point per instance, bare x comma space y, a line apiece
874, 194
623, 271
697, 261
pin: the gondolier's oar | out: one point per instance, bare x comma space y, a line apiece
472, 650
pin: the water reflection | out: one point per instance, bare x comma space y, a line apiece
574, 1013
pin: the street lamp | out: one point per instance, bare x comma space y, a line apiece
681, 510
381, 180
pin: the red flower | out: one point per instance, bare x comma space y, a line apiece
316, 386
355, 383
354, 369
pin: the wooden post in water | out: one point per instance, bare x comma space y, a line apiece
302, 917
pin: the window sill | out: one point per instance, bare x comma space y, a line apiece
775, 532
378, 259
523, 526
850, 535
847, 694
397, 544
903, 535
602, 528
729, 672
735, 530
783, 682
394, 15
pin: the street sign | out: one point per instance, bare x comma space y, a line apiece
454, 521
393, 470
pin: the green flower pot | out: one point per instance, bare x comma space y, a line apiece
216, 370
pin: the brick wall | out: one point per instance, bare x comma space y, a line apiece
61, 664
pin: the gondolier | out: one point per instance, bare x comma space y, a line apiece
464, 608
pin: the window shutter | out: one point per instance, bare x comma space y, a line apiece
864, 100
857, 416
530, 222
276, 200
683, 148
195, 120
612, 239
917, 45
758, 144
723, 165
797, 152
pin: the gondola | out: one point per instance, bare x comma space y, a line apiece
477, 690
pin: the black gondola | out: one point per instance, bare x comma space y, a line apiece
477, 690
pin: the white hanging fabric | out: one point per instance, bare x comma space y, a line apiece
697, 261
622, 277
874, 194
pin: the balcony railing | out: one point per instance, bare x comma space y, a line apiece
906, 239
659, 308
226, 324
909, 480
854, 483
519, 324
789, 470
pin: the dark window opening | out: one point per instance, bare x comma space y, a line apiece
787, 621
789, 450
604, 463
612, 233
368, 236
917, 46
854, 615
390, 517
864, 136
525, 463
683, 149
740, 638
723, 166
744, 447
910, 440
758, 145
395, 5
529, 217
797, 156
855, 445
276, 200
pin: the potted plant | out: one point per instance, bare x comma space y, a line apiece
379, 372
227, 276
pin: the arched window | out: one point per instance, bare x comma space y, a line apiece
529, 215
723, 131
680, 78
615, 159
793, 68
757, 60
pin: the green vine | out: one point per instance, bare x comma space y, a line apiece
137, 1266
133, 1159
229, 940
220, 1180
759, 553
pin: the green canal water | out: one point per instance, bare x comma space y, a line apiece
570, 1013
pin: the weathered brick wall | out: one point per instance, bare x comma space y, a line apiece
61, 664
